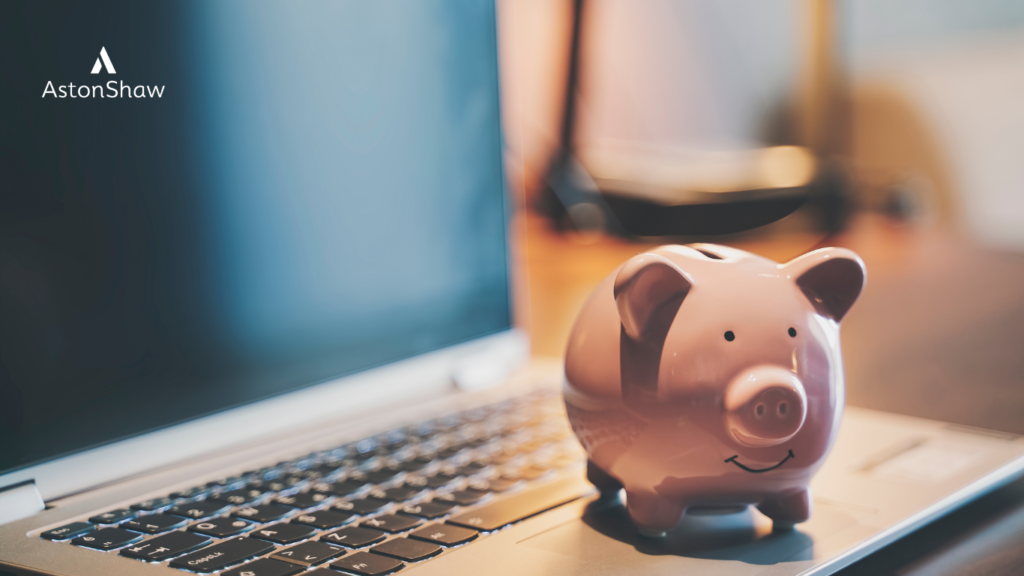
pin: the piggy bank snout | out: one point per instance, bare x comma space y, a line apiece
765, 406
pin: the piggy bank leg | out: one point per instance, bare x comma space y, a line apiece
652, 514
603, 481
787, 510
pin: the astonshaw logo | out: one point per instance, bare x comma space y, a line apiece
104, 64
112, 89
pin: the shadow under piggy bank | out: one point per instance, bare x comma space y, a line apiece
603, 541
742, 535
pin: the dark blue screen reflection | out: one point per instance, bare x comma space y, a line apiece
318, 191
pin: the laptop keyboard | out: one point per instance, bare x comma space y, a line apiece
370, 507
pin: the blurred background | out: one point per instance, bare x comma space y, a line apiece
894, 128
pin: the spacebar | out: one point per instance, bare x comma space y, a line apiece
522, 506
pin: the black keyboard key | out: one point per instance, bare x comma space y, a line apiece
392, 523
284, 533
406, 549
343, 488
396, 494
429, 510
303, 500
154, 523
304, 463
445, 534
463, 497
220, 556
417, 463
107, 539
522, 506
479, 441
68, 531
198, 510
222, 527
354, 537
269, 485
383, 475
416, 482
238, 497
470, 468
365, 564
450, 451
309, 553
441, 479
328, 468
363, 507
152, 504
264, 513
311, 474
166, 546
292, 480
114, 516
362, 458
324, 519
265, 567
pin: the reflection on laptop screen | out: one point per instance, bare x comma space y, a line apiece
317, 191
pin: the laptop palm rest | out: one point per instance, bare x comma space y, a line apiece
887, 476
604, 542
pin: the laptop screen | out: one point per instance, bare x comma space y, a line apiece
206, 204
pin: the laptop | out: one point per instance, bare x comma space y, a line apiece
257, 320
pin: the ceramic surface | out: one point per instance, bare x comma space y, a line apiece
704, 377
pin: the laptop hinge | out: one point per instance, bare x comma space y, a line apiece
492, 364
20, 501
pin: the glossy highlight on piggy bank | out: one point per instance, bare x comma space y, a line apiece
704, 378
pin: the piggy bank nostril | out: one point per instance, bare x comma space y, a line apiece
783, 408
759, 411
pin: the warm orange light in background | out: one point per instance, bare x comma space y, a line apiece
932, 139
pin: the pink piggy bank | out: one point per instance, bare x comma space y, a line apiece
705, 378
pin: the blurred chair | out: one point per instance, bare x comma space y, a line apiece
646, 189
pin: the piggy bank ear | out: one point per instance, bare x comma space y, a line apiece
649, 287
831, 278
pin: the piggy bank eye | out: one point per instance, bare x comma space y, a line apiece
792, 332
730, 336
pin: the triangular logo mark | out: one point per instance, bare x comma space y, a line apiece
104, 64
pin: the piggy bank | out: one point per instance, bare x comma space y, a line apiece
704, 378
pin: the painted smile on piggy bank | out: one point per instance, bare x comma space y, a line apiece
755, 471
704, 376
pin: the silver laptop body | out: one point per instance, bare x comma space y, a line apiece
886, 476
